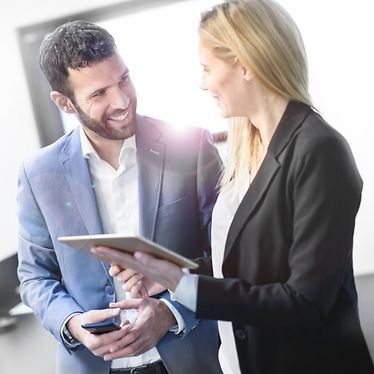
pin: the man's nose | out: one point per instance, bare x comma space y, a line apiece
119, 99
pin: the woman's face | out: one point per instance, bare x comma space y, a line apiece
226, 83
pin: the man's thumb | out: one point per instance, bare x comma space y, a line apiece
103, 314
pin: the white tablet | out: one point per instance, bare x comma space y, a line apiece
129, 244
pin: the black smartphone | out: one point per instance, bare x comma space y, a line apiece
103, 327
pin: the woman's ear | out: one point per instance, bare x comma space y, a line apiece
62, 102
248, 75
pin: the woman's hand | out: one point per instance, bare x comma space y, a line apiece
134, 282
163, 272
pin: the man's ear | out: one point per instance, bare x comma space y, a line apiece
63, 102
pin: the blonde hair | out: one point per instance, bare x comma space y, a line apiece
263, 37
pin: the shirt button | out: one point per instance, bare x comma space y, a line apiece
109, 290
240, 334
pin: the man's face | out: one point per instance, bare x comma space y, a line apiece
105, 98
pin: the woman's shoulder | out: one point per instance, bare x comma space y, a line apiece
316, 131
316, 142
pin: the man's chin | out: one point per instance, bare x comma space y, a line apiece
123, 134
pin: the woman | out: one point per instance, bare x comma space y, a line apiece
282, 229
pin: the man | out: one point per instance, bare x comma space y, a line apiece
118, 172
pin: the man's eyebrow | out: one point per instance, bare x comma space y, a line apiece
93, 93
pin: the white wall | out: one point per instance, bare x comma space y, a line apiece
339, 41
18, 134
338, 36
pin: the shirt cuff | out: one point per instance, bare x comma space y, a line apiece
66, 337
180, 326
186, 291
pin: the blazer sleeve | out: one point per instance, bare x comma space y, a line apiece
209, 169
323, 193
205, 266
41, 286
189, 319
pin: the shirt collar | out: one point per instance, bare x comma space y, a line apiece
88, 149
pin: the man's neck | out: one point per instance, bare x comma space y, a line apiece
107, 149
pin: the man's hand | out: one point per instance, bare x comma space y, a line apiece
99, 345
161, 271
134, 282
153, 321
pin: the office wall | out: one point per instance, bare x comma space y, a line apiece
18, 134
338, 36
338, 39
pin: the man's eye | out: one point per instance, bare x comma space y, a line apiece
124, 79
99, 93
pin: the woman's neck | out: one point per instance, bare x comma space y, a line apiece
266, 114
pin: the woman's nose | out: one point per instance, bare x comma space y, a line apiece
203, 84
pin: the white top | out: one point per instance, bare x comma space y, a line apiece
223, 213
117, 200
186, 292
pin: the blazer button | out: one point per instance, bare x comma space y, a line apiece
240, 334
109, 290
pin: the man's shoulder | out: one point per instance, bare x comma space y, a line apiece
49, 154
167, 127
173, 134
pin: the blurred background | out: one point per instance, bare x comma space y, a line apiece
158, 41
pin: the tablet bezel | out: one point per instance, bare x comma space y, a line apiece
128, 244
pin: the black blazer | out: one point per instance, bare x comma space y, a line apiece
289, 287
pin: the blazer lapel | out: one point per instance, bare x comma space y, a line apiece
253, 196
150, 158
292, 119
80, 183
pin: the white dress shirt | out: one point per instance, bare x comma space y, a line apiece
117, 200
186, 292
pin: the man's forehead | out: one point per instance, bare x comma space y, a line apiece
98, 75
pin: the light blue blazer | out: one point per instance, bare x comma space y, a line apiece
177, 176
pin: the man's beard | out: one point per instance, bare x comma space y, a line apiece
103, 129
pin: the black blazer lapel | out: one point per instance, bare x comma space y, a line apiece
150, 158
291, 120
253, 196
